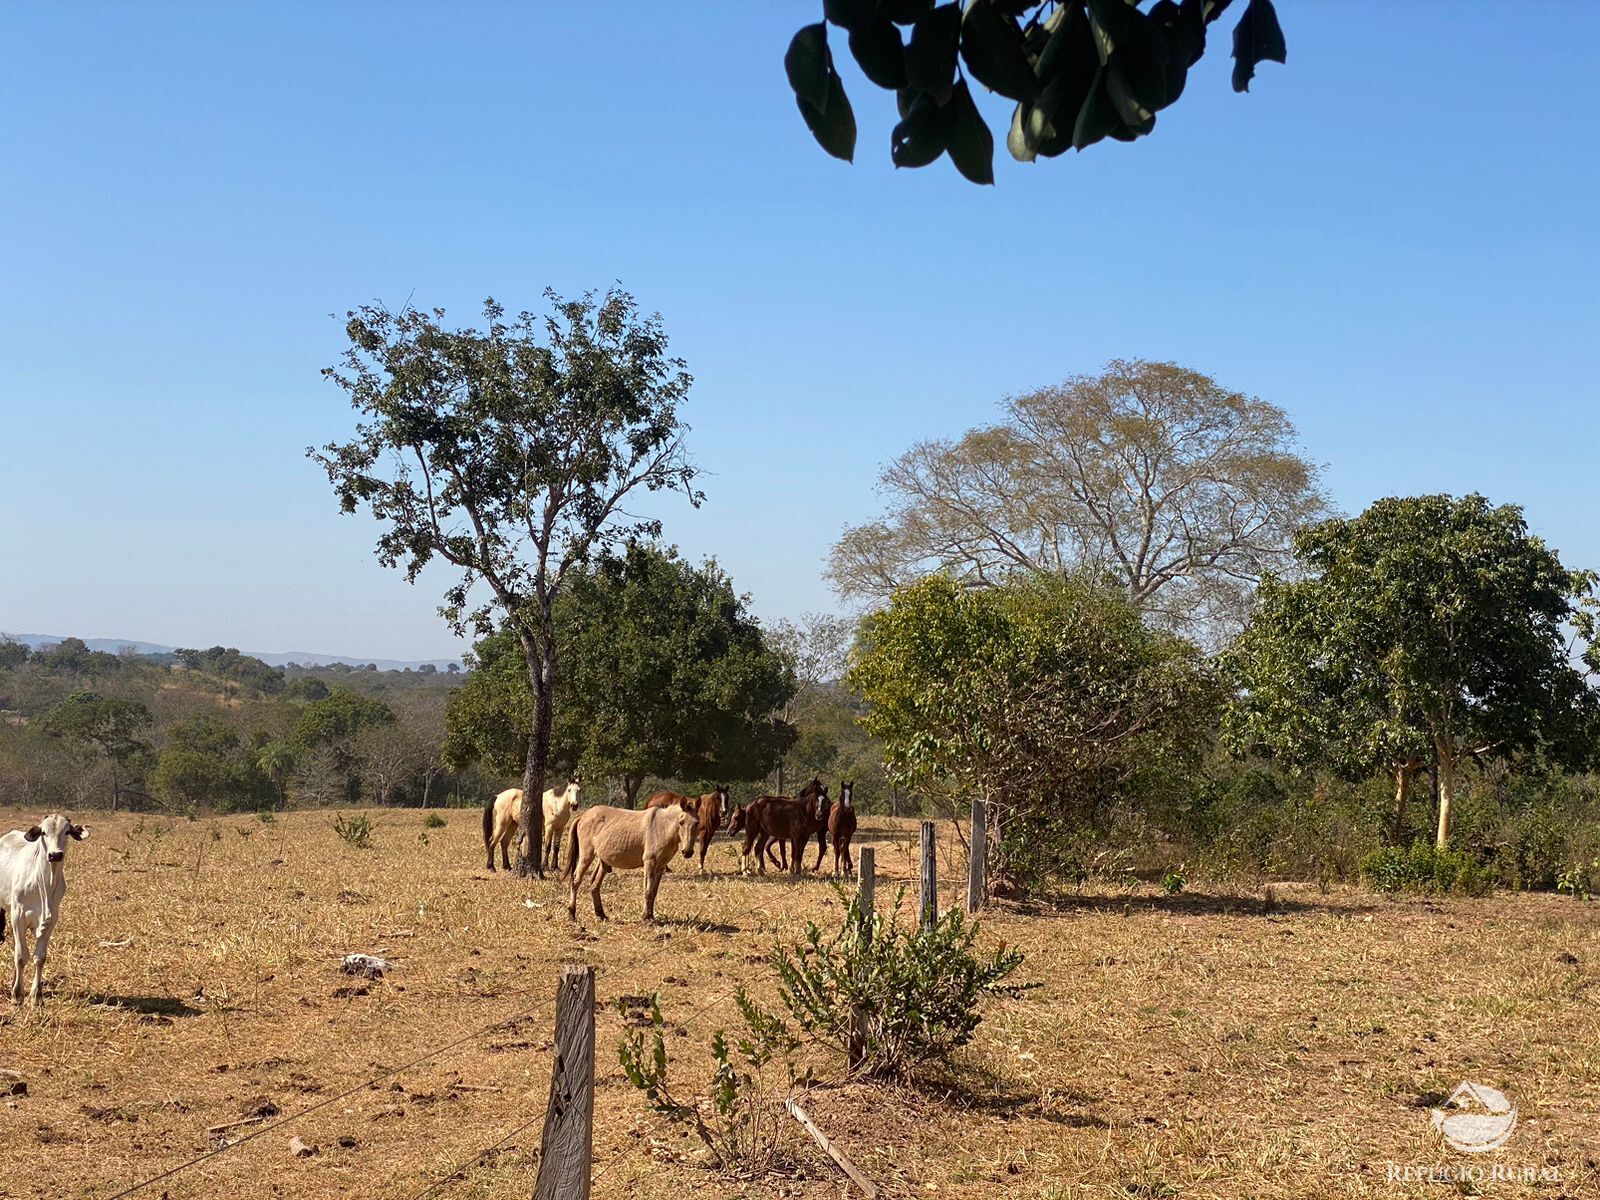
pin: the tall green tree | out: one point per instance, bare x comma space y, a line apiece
1153, 475
1079, 70
1050, 697
1423, 631
111, 729
665, 673
508, 453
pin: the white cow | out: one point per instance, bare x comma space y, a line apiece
33, 882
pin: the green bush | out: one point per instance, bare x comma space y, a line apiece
892, 998
1424, 868
355, 829
433, 821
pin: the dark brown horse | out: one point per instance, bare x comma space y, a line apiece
842, 827
768, 819
708, 809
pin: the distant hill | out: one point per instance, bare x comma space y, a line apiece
306, 658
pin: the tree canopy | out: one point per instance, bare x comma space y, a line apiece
508, 452
111, 728
1425, 630
1079, 70
1149, 474
665, 674
1049, 696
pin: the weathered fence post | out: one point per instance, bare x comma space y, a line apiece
977, 862
567, 1146
930, 878
867, 881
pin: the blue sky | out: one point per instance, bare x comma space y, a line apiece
1393, 237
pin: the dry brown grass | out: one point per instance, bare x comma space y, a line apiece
1195, 1046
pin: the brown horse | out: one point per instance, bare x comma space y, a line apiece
709, 809
776, 849
789, 822
842, 827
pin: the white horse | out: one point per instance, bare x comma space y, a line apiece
500, 821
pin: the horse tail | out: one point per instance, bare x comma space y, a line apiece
488, 821
572, 850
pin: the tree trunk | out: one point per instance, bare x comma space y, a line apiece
1402, 793
630, 790
781, 792
1447, 782
115, 790
541, 678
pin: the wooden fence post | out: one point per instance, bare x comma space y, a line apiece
567, 1146
867, 881
977, 862
930, 878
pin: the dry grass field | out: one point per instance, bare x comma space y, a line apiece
1201, 1045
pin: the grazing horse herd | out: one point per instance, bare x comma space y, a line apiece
599, 840
605, 838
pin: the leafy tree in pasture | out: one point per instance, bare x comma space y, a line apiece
1149, 474
111, 729
307, 687
276, 760
1049, 696
1426, 630
1079, 70
508, 453
205, 763
665, 674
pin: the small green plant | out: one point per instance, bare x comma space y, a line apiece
738, 1121
891, 997
355, 829
1425, 868
265, 816
1579, 879
433, 821
1172, 883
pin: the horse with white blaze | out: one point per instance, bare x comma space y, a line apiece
33, 883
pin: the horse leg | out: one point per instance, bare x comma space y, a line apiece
822, 848
600, 873
580, 864
652, 883
505, 834
798, 860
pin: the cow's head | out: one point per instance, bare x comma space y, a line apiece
54, 831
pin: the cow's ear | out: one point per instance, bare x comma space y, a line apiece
34, 834
78, 832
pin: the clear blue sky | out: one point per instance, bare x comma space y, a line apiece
1394, 237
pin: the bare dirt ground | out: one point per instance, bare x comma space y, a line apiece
1200, 1045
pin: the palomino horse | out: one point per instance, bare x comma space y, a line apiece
842, 827
709, 809
500, 821
789, 822
607, 839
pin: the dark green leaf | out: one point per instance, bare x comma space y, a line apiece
905, 12
1142, 55
931, 56
971, 144
1128, 106
1256, 38
1017, 141
1097, 117
809, 65
850, 14
1109, 19
877, 47
992, 48
922, 136
834, 129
